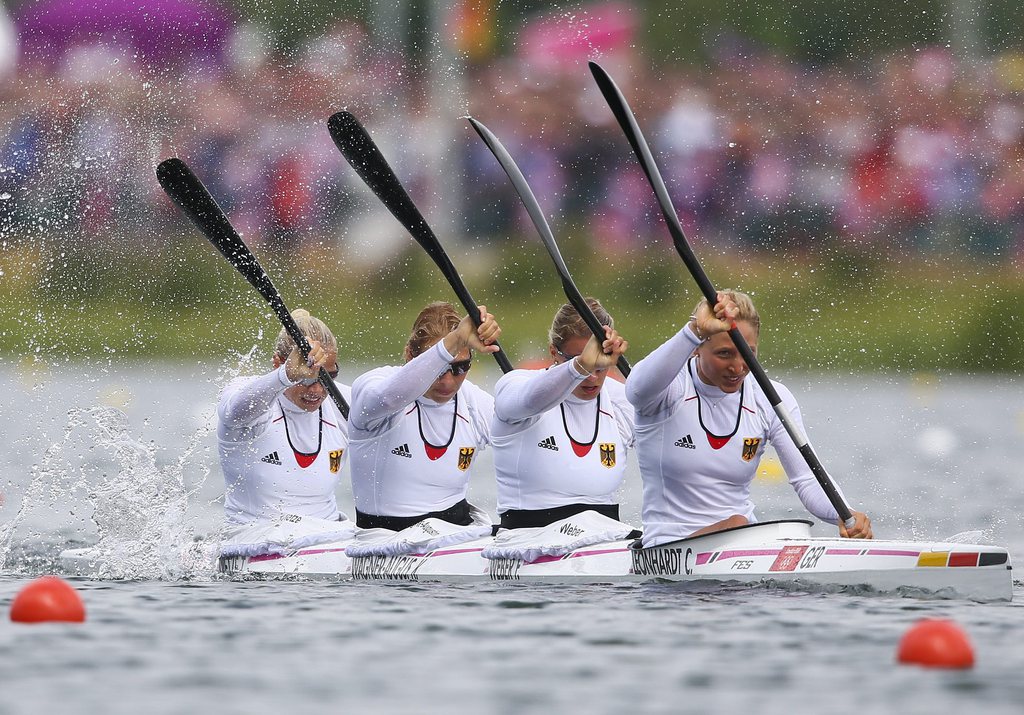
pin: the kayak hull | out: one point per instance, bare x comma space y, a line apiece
775, 553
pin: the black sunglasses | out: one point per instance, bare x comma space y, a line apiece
457, 368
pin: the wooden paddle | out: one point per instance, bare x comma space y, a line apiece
188, 192
359, 149
540, 223
624, 116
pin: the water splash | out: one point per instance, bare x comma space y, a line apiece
45, 477
139, 508
140, 512
975, 536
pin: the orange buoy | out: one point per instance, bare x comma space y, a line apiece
47, 599
936, 643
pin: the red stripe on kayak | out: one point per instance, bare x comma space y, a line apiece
274, 557
449, 552
596, 552
963, 559
575, 555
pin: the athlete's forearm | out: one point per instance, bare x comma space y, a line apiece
379, 396
529, 393
800, 476
651, 378
243, 402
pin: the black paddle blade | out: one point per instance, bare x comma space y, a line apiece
533, 208
188, 192
359, 149
627, 121
522, 188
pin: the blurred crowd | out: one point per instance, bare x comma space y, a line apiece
916, 151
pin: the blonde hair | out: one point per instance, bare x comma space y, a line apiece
744, 304
433, 323
568, 324
312, 328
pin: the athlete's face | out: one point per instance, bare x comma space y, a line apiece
720, 363
445, 386
591, 386
310, 397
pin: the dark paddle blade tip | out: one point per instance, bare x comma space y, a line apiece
171, 170
343, 125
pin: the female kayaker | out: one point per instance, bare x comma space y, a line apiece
561, 435
703, 424
281, 441
416, 429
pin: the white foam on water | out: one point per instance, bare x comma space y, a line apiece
139, 508
141, 512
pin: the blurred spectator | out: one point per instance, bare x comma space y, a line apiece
917, 152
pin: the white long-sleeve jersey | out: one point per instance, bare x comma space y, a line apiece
276, 457
411, 455
699, 447
553, 449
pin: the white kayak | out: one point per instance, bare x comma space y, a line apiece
774, 552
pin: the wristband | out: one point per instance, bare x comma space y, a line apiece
578, 366
696, 330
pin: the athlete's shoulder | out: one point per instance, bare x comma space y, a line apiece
373, 375
382, 371
475, 395
515, 377
236, 384
243, 388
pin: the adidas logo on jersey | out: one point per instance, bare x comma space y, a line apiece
402, 451
686, 442
272, 458
548, 443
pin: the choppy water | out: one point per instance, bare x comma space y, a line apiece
130, 456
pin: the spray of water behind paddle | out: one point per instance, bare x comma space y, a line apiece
108, 482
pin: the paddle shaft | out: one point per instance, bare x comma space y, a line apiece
359, 149
627, 121
188, 192
529, 200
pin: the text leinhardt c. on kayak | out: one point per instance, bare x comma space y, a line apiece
661, 562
